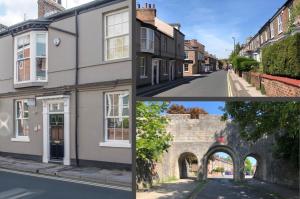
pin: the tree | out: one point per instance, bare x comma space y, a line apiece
179, 109
248, 166
295, 17
152, 139
235, 52
258, 119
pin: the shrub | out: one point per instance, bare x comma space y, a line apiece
244, 64
283, 57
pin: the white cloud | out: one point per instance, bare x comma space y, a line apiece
14, 10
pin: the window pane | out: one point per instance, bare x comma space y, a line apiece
110, 129
118, 47
41, 68
23, 70
23, 127
118, 132
41, 45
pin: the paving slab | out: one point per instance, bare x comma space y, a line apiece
88, 174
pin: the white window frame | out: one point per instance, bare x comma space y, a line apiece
266, 35
280, 25
33, 57
272, 30
187, 67
115, 143
19, 138
150, 38
186, 55
106, 37
143, 68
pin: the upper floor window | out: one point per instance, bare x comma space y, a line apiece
164, 43
117, 35
31, 57
186, 55
272, 29
266, 36
147, 40
280, 28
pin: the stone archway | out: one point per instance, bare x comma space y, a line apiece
260, 172
237, 172
188, 165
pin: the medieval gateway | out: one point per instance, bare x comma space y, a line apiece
203, 137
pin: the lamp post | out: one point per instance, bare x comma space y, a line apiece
233, 44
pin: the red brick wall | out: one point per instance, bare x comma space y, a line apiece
275, 88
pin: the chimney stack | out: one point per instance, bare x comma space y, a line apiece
49, 7
147, 13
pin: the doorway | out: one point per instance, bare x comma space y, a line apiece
155, 72
56, 125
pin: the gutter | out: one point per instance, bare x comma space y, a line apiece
76, 89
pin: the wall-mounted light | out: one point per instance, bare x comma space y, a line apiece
56, 41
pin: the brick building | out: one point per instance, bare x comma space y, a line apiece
219, 162
194, 56
275, 29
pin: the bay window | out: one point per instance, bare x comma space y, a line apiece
147, 40
117, 117
31, 57
117, 35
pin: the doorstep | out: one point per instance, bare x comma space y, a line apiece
87, 174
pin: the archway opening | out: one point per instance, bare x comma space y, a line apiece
220, 165
250, 167
188, 166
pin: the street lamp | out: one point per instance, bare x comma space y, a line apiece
233, 43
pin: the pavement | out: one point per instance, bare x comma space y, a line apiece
239, 87
212, 84
19, 186
179, 189
87, 174
251, 189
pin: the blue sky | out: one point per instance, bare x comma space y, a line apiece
212, 108
215, 22
225, 155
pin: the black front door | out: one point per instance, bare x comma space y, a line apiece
56, 136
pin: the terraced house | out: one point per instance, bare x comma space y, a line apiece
65, 85
194, 56
275, 29
160, 48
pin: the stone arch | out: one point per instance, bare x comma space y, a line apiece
188, 164
260, 172
237, 172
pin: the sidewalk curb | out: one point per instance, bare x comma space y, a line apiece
153, 92
40, 172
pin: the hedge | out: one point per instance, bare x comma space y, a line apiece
283, 57
244, 64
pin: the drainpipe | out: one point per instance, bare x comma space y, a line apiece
76, 90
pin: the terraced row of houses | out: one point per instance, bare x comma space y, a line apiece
275, 29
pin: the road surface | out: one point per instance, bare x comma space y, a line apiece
208, 85
227, 189
19, 186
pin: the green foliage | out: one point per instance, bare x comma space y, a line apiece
295, 12
218, 170
283, 57
258, 119
244, 64
235, 52
152, 140
248, 166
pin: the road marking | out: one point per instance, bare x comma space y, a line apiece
15, 193
68, 180
229, 86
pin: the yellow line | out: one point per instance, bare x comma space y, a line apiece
229, 86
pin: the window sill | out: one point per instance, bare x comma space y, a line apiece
143, 77
30, 84
166, 74
115, 144
20, 139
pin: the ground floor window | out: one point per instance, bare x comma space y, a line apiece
186, 67
142, 67
22, 118
117, 116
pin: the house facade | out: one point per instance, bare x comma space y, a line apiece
194, 57
275, 29
160, 48
211, 62
66, 84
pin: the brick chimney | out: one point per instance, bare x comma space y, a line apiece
49, 7
147, 13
